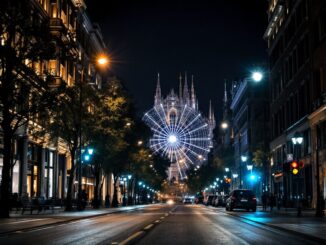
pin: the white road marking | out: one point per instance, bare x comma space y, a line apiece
148, 227
131, 237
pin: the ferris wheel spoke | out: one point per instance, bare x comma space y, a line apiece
196, 146
155, 123
161, 118
198, 128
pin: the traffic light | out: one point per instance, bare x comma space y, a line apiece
295, 167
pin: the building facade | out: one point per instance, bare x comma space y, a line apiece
43, 164
296, 47
249, 107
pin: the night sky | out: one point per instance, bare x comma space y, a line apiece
213, 40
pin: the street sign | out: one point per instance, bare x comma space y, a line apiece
289, 157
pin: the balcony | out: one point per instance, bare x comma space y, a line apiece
57, 27
56, 82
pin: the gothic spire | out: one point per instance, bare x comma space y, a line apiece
210, 111
158, 95
225, 94
193, 96
186, 91
180, 87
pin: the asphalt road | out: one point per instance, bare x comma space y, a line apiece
157, 224
193, 224
108, 229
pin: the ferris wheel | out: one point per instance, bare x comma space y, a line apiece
181, 134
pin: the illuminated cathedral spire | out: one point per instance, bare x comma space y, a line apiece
186, 97
158, 95
180, 88
193, 96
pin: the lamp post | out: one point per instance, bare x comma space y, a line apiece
297, 140
102, 61
243, 160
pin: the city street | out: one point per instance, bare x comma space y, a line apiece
154, 224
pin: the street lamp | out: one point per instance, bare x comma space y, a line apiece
101, 60
243, 158
297, 139
257, 76
250, 167
224, 125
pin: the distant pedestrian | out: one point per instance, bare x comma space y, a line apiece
279, 202
264, 201
107, 201
272, 201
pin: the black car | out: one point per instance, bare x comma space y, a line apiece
244, 199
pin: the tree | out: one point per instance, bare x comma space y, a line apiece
112, 133
25, 43
70, 118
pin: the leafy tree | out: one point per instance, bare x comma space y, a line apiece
70, 118
25, 41
112, 133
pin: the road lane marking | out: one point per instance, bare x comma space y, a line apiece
166, 214
148, 227
157, 221
134, 236
44, 228
162, 217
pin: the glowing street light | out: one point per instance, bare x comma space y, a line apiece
257, 76
250, 167
90, 151
103, 60
297, 139
244, 158
224, 125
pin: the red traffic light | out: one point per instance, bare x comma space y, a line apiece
294, 164
301, 164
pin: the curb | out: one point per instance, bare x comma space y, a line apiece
60, 222
304, 235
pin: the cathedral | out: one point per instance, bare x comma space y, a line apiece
185, 136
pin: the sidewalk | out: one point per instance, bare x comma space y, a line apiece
307, 225
20, 222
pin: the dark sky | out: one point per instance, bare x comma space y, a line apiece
211, 39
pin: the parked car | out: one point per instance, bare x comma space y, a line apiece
219, 201
209, 199
243, 199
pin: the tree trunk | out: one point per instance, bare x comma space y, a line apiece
96, 201
71, 182
5, 182
115, 202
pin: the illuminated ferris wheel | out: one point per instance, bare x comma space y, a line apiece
181, 134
